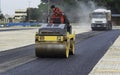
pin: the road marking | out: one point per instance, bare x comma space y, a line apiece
111, 62
14, 63
114, 48
107, 70
112, 57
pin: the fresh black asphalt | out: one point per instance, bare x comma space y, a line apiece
87, 53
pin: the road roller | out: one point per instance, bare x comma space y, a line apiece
54, 40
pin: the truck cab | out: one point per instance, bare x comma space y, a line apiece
101, 19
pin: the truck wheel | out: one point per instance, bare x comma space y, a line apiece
93, 29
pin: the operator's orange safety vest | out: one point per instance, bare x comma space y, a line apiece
57, 16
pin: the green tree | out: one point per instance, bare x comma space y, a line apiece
110, 4
43, 12
71, 7
1, 16
32, 14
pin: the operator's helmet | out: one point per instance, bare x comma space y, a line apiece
52, 6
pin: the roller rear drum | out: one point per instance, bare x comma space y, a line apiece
52, 50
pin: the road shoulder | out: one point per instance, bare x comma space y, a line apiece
110, 62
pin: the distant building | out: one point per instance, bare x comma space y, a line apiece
20, 15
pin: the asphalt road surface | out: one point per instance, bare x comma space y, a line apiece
89, 48
15, 29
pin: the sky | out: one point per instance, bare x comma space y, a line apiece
9, 6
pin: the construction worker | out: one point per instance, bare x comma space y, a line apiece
58, 17
56, 10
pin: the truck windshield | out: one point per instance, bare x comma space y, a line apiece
98, 15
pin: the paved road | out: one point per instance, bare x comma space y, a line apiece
90, 47
14, 29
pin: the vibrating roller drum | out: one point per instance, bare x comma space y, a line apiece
52, 41
52, 50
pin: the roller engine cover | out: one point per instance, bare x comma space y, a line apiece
53, 29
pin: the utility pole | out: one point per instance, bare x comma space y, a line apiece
0, 8
29, 3
1, 16
48, 17
29, 10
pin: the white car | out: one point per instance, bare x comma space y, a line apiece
1, 25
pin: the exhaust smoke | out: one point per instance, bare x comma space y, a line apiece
85, 8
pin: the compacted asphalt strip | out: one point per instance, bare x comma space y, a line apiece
24, 51
87, 53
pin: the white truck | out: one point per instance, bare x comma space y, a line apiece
101, 19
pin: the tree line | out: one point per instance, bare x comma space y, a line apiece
69, 7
